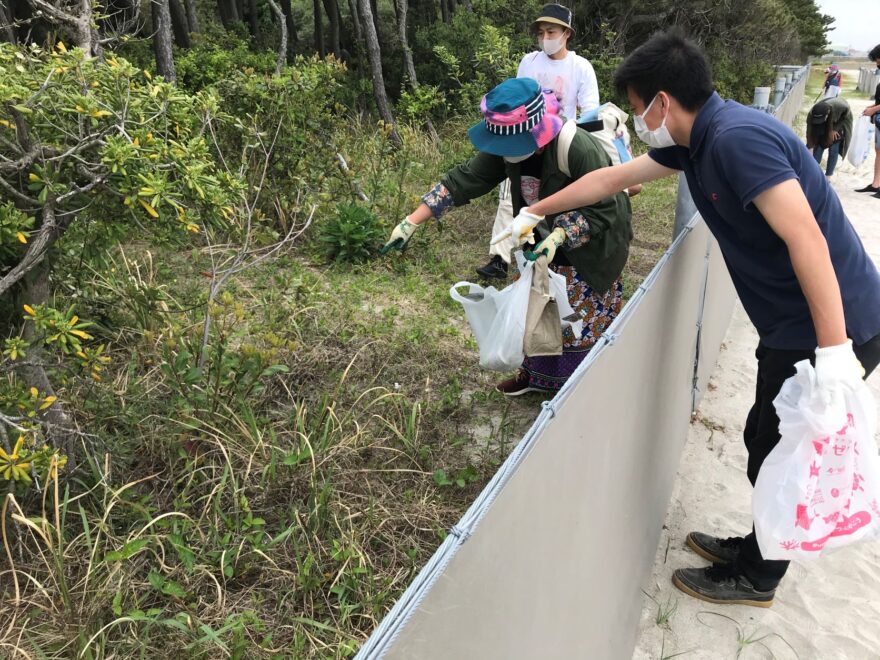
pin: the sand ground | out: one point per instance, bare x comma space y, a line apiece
824, 610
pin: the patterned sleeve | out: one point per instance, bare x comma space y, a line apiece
439, 200
576, 228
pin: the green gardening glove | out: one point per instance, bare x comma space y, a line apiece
400, 236
548, 246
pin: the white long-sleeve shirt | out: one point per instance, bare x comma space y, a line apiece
572, 80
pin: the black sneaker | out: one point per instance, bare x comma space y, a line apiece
876, 194
716, 550
721, 584
496, 269
869, 188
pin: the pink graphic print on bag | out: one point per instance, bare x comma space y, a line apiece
834, 471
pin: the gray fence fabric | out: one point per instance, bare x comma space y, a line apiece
550, 559
556, 559
869, 78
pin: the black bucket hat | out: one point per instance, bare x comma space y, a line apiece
555, 14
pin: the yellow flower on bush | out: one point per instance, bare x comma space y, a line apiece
12, 466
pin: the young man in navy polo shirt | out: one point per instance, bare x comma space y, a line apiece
798, 265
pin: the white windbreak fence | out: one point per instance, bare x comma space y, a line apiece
869, 78
550, 559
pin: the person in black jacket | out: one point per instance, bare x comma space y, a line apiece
874, 111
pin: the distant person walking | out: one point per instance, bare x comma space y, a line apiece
833, 81
874, 112
829, 126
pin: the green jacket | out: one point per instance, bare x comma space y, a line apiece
601, 260
840, 119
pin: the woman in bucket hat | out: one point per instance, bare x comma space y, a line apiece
517, 139
573, 81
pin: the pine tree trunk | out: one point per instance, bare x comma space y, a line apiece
192, 16
444, 11
162, 39
402, 9
35, 291
227, 11
356, 21
319, 28
179, 24
422, 13
375, 57
254, 21
7, 33
332, 9
291, 27
282, 26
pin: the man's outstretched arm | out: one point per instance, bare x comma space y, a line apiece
602, 183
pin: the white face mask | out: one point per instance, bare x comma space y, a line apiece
518, 159
659, 138
551, 46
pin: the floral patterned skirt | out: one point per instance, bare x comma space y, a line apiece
597, 311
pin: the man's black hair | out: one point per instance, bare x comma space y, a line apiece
670, 62
874, 55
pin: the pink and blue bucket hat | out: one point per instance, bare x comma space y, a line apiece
518, 118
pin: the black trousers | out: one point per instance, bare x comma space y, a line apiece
761, 435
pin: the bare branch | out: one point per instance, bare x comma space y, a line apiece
46, 236
21, 197
282, 47
55, 13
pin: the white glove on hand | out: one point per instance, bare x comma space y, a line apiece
400, 236
548, 246
837, 367
521, 228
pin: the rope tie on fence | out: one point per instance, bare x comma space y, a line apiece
548, 405
459, 533
609, 337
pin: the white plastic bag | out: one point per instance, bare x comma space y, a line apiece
862, 142
498, 318
819, 489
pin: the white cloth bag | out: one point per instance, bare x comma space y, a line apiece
862, 141
498, 318
819, 489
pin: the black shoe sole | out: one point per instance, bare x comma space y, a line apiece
705, 554
494, 276
696, 594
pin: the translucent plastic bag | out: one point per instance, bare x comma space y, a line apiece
862, 141
819, 489
498, 318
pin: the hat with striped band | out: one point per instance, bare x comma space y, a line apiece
518, 118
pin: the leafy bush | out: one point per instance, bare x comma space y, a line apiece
216, 56
352, 236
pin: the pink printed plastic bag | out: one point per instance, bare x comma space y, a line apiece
819, 489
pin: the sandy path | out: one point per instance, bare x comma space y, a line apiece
824, 610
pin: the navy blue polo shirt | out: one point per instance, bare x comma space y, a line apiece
736, 153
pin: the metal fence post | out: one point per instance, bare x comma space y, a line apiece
762, 98
778, 91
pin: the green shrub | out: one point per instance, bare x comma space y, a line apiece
352, 236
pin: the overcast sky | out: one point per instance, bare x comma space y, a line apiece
857, 22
